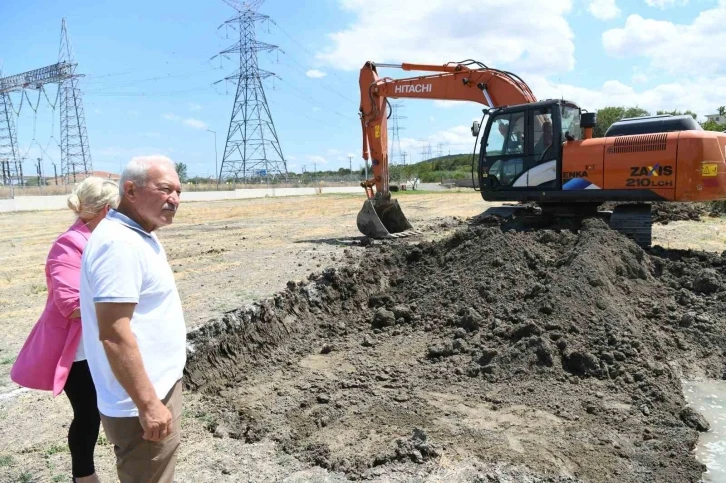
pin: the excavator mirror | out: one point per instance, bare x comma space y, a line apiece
475, 127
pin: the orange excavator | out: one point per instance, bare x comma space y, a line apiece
543, 152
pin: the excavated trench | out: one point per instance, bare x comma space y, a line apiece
496, 355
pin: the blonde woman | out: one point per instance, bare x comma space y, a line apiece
52, 357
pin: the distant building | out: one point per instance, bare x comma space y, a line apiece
717, 118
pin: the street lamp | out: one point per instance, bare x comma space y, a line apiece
216, 173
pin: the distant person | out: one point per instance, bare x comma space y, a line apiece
52, 357
135, 335
545, 141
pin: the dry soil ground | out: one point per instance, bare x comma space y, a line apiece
226, 254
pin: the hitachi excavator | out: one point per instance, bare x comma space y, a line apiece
543, 152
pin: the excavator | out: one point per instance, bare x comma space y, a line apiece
541, 154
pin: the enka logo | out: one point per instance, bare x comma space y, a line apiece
413, 88
574, 174
656, 170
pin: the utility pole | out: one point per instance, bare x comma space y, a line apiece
350, 166
55, 174
40, 175
403, 155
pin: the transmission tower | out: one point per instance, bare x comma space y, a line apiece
252, 148
9, 159
75, 152
394, 129
440, 150
426, 151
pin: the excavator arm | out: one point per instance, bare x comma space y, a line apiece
381, 216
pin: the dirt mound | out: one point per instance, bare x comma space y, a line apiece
665, 212
544, 353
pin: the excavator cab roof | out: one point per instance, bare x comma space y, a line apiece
534, 105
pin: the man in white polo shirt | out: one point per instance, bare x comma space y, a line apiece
134, 333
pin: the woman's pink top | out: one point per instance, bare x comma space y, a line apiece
49, 351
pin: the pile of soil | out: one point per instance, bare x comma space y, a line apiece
665, 212
486, 356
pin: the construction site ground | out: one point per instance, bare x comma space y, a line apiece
466, 353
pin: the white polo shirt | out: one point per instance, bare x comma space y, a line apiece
124, 263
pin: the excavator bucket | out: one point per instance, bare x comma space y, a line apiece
383, 220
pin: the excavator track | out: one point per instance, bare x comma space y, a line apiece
634, 221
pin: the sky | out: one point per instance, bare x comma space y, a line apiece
151, 68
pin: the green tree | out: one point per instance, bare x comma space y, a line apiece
722, 110
608, 115
712, 125
181, 171
679, 113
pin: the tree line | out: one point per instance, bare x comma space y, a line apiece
608, 115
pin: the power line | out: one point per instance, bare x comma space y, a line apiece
300, 45
302, 69
315, 103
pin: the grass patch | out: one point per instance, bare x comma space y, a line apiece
59, 478
55, 449
6, 460
25, 477
36, 289
7, 360
102, 440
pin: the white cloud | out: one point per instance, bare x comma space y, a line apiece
315, 74
194, 107
191, 122
316, 159
445, 104
680, 49
523, 35
663, 4
698, 94
195, 123
603, 9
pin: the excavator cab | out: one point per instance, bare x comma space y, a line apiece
521, 148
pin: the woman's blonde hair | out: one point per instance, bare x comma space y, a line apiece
91, 195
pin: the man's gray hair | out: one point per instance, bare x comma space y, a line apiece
138, 168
